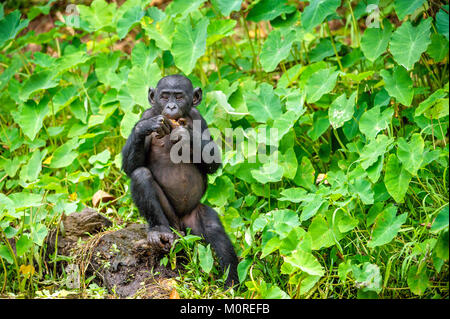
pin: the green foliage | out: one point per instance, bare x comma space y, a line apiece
353, 201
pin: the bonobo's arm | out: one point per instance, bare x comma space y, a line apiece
134, 154
207, 168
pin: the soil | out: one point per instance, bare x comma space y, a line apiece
121, 260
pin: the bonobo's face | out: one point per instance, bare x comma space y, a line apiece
174, 95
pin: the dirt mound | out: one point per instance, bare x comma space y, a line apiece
121, 260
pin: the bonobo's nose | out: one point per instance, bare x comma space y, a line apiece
171, 106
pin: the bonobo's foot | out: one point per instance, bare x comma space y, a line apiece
161, 237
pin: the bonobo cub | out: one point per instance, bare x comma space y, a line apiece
167, 191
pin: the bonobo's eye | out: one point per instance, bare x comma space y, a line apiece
164, 97
179, 97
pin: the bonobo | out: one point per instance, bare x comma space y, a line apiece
167, 192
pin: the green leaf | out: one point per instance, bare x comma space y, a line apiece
38, 233
362, 188
316, 12
189, 44
143, 55
25, 200
106, 65
374, 41
102, 157
294, 195
411, 154
367, 277
268, 10
442, 220
386, 227
270, 246
10, 26
442, 24
270, 172
396, 179
227, 6
305, 174
64, 155
399, 85
289, 163
38, 81
23, 244
323, 50
372, 121
140, 80
6, 254
418, 281
264, 106
375, 149
276, 48
218, 29
320, 83
98, 15
221, 191
30, 172
30, 117
430, 101
243, 268
131, 17
408, 42
438, 49
183, 7
306, 262
320, 125
341, 110
205, 257
321, 234
405, 7
161, 31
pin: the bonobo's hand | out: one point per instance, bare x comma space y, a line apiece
158, 124
179, 133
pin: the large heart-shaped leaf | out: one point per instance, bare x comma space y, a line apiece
30, 117
189, 44
409, 42
276, 48
226, 6
373, 121
442, 24
341, 110
316, 12
97, 16
10, 26
396, 179
268, 10
264, 106
140, 80
399, 85
405, 7
411, 154
131, 17
320, 83
386, 227
374, 41
305, 261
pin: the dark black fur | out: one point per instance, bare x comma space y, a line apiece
152, 174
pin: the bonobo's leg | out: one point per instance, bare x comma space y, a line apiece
205, 222
145, 194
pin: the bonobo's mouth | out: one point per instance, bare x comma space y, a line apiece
173, 116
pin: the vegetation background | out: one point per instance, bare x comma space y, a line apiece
357, 205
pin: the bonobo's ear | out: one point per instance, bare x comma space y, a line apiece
197, 97
151, 96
